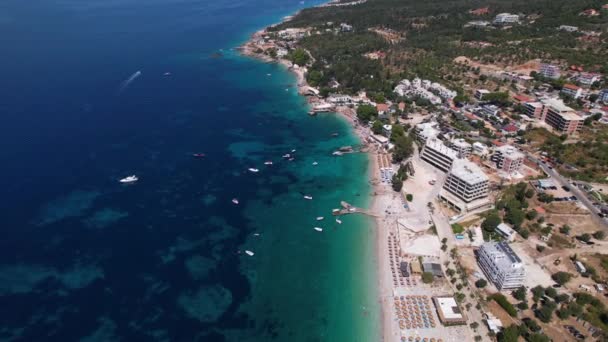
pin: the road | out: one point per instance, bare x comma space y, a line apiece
582, 197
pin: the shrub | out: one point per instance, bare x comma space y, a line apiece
427, 277
481, 283
409, 197
561, 277
504, 303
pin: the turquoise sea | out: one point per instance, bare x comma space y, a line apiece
96, 90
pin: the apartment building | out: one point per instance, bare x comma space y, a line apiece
462, 147
549, 71
508, 159
438, 155
426, 131
561, 117
603, 96
501, 265
480, 93
533, 109
506, 19
466, 187
572, 90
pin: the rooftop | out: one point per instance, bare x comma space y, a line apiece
437, 145
571, 86
448, 308
510, 151
557, 105
502, 248
468, 171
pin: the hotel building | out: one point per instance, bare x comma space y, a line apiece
438, 155
501, 265
508, 159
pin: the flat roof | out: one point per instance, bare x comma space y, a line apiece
468, 171
448, 308
437, 145
557, 104
510, 151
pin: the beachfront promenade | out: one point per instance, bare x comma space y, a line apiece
406, 235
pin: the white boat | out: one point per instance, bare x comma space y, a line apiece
253, 170
235, 201
337, 153
268, 163
335, 210
129, 179
256, 234
250, 253
319, 229
287, 156
167, 74
339, 221
315, 163
307, 197
320, 218
293, 151
268, 74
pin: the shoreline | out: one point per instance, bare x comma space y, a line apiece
384, 289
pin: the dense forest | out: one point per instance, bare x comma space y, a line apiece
432, 33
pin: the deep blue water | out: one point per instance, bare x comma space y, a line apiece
83, 257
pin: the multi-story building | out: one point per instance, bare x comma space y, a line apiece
533, 109
549, 71
438, 155
467, 181
506, 19
480, 148
462, 147
572, 90
426, 131
501, 265
480, 93
490, 110
603, 96
588, 78
561, 117
508, 159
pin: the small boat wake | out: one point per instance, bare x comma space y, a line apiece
128, 81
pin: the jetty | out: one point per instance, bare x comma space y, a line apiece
348, 208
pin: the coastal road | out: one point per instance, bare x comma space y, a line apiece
580, 195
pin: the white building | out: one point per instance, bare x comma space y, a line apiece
580, 267
501, 265
437, 154
549, 71
490, 110
568, 28
480, 149
480, 93
506, 232
387, 130
603, 96
462, 147
466, 187
433, 92
588, 78
508, 159
426, 131
573, 91
506, 19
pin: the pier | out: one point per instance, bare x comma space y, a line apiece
347, 208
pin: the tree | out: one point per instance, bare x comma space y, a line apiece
515, 216
584, 237
396, 132
545, 313
599, 235
474, 325
397, 183
299, 56
551, 292
565, 229
509, 334
538, 338
427, 277
491, 221
540, 248
409, 197
561, 277
404, 147
537, 292
531, 215
377, 127
366, 112
520, 293
481, 283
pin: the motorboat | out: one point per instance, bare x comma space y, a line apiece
235, 201
339, 221
253, 170
198, 155
129, 179
293, 151
250, 253
319, 229
268, 162
307, 197
320, 218
315, 163
287, 156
